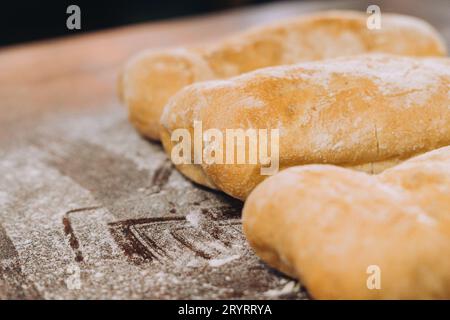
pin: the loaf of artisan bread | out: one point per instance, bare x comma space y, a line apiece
151, 77
364, 112
349, 235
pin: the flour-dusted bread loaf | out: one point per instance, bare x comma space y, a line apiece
364, 112
151, 77
349, 235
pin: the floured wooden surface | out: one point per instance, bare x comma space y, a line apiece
82, 194
87, 194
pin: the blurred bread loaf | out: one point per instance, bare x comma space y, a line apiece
151, 77
365, 112
350, 235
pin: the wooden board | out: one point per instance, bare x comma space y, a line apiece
89, 209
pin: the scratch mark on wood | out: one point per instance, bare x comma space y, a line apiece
68, 230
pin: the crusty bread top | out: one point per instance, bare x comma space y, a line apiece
151, 77
326, 225
347, 111
320, 35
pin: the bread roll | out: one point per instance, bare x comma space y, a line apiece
365, 112
349, 235
151, 77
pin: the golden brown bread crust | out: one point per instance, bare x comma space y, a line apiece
192, 171
326, 225
365, 112
150, 78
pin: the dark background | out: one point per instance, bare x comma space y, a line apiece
22, 21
